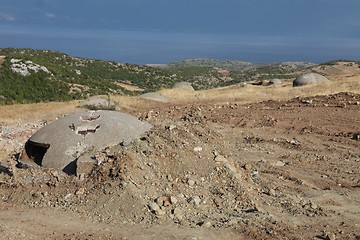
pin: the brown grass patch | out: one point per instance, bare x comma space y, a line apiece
129, 87
248, 94
20, 113
253, 93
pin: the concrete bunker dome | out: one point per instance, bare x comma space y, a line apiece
309, 78
275, 82
183, 85
59, 144
99, 102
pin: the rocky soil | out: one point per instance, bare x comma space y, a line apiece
269, 170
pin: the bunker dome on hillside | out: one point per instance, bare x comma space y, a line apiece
183, 85
275, 82
310, 78
98, 102
59, 144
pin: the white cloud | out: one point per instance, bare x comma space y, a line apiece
7, 17
49, 15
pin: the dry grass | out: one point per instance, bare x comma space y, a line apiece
20, 113
248, 94
129, 87
134, 103
252, 93
29, 112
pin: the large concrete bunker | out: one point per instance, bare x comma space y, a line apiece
308, 79
59, 144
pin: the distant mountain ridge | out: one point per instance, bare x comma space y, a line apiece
236, 65
232, 65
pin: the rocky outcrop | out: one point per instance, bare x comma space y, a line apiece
25, 68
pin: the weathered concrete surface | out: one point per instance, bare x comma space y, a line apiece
310, 78
275, 82
183, 85
70, 137
99, 102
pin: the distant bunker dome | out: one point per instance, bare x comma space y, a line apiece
275, 82
59, 144
310, 78
99, 102
155, 97
183, 85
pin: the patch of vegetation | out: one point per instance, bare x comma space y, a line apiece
72, 77
232, 65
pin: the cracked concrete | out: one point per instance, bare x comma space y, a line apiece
59, 144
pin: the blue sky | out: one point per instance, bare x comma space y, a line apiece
162, 31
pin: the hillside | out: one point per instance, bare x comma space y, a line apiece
231, 65
28, 75
338, 68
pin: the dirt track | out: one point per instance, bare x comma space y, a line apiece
270, 170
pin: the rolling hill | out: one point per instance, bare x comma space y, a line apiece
29, 75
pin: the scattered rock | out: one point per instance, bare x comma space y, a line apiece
206, 224
154, 207
178, 213
190, 182
220, 159
195, 200
280, 163
198, 149
171, 127
248, 167
272, 193
80, 191
173, 200
330, 236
